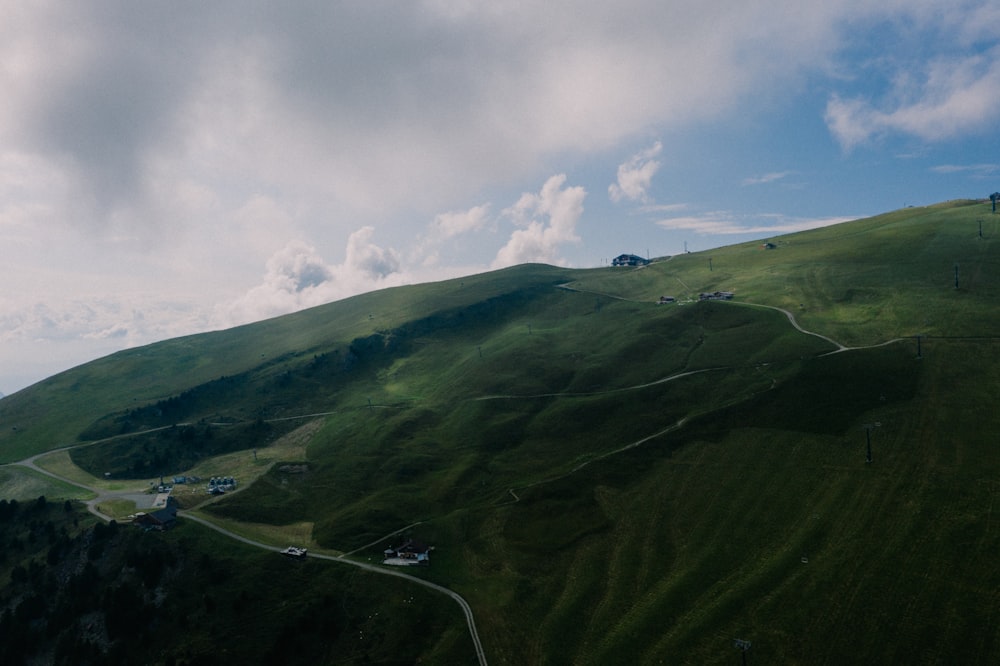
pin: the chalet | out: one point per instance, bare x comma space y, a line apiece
411, 552
769, 246
666, 299
629, 260
160, 520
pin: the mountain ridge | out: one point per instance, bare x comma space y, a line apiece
606, 477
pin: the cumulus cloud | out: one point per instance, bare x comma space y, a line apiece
951, 96
635, 175
296, 268
367, 258
297, 277
341, 98
447, 225
174, 148
445, 230
547, 220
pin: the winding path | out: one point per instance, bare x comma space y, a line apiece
102, 495
463, 604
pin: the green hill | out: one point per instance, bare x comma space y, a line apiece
606, 479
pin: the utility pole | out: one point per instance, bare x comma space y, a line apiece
742, 646
868, 437
956, 276
980, 230
710, 264
918, 346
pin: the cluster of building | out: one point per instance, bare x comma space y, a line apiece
716, 296
410, 552
218, 485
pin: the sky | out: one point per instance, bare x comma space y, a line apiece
174, 168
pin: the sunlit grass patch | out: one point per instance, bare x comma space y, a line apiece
21, 483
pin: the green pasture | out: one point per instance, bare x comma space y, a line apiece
606, 479
784, 536
861, 282
20, 483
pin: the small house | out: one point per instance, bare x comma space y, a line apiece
411, 552
629, 260
160, 520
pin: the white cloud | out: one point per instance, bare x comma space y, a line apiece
367, 258
725, 223
767, 178
547, 220
297, 277
446, 228
169, 152
952, 96
977, 170
447, 225
663, 208
635, 175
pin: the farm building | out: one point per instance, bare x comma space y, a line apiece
409, 553
160, 520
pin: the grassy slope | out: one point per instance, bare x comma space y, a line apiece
53, 412
670, 549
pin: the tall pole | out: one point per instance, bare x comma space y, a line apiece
956, 276
742, 646
868, 438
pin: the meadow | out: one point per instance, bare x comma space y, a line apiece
606, 479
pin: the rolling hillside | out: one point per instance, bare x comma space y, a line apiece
606, 479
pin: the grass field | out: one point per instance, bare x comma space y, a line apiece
22, 484
608, 480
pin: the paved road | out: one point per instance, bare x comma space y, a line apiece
839, 347
102, 495
463, 604
99, 494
